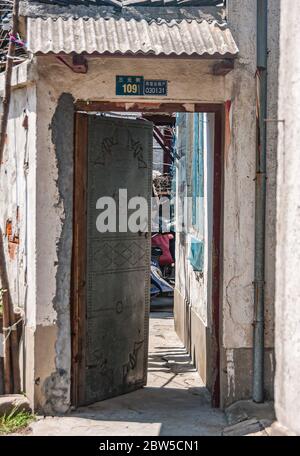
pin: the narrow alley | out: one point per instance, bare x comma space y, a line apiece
174, 401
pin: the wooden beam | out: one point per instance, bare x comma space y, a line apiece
161, 141
141, 106
78, 299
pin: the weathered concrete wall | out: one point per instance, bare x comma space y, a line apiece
239, 188
25, 203
17, 207
55, 212
239, 208
287, 337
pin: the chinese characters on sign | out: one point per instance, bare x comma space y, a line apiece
155, 87
129, 85
137, 85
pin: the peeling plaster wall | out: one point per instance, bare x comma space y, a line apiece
17, 209
287, 384
54, 234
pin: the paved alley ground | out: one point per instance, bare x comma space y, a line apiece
174, 402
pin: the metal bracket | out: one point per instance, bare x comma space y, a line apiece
78, 63
224, 67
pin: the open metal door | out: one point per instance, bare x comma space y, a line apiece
113, 338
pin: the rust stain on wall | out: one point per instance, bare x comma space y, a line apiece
13, 239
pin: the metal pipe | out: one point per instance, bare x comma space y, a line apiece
260, 202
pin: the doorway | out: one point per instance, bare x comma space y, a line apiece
110, 305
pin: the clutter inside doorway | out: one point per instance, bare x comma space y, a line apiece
163, 191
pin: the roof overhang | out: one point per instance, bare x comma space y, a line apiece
160, 38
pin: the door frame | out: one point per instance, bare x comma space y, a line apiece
79, 257
79, 251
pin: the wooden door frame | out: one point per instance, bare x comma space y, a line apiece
79, 254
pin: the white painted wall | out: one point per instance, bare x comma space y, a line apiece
18, 195
287, 385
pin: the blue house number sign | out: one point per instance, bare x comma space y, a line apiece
138, 86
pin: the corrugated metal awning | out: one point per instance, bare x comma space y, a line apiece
120, 36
